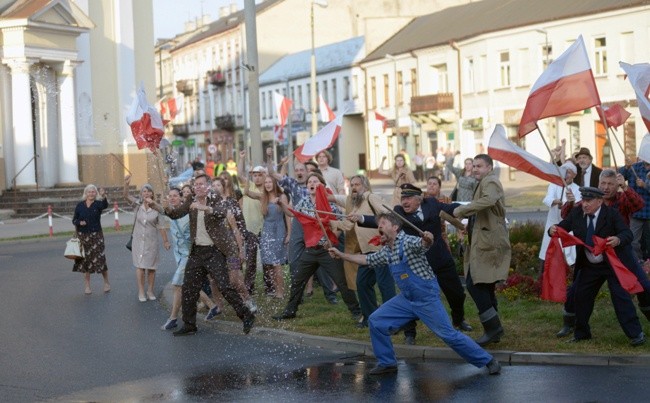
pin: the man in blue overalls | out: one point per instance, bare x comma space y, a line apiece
419, 297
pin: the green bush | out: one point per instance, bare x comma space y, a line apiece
529, 232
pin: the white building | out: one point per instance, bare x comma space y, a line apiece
501, 50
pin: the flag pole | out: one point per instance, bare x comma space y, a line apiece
622, 149
611, 146
551, 154
322, 227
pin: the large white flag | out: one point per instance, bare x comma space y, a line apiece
322, 140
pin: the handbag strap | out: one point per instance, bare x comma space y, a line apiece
135, 218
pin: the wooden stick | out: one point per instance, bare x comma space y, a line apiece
622, 149
324, 212
121, 163
322, 227
404, 220
611, 146
452, 220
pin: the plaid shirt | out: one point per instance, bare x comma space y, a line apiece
413, 250
626, 203
295, 189
307, 204
644, 192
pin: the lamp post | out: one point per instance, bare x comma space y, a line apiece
314, 120
394, 59
546, 62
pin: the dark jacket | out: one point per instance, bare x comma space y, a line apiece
593, 179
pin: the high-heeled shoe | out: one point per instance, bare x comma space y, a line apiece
151, 296
142, 298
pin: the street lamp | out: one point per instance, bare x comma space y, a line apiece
314, 120
394, 59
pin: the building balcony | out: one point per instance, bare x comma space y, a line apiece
185, 86
181, 130
216, 78
432, 103
225, 122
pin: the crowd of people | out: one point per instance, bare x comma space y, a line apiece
220, 220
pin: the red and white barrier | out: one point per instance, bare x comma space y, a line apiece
117, 216
49, 219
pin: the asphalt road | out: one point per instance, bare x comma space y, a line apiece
59, 344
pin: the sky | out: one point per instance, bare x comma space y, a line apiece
169, 16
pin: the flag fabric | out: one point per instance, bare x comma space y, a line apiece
282, 108
615, 115
555, 268
175, 105
566, 86
644, 148
383, 120
320, 141
326, 114
145, 121
313, 233
504, 150
639, 76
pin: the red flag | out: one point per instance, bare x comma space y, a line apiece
383, 120
554, 279
639, 76
566, 86
282, 108
322, 140
278, 133
504, 150
175, 106
311, 227
145, 121
375, 240
326, 114
615, 115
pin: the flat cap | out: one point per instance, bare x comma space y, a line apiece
591, 193
409, 190
583, 151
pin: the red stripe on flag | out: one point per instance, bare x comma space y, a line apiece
517, 161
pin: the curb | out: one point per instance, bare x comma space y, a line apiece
506, 357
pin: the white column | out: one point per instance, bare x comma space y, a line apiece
23, 131
68, 158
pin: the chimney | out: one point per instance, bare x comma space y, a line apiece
233, 8
190, 26
223, 12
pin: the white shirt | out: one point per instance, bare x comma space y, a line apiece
590, 256
587, 176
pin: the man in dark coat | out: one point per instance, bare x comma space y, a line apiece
588, 173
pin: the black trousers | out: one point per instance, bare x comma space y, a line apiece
204, 260
587, 284
251, 242
483, 294
306, 265
451, 286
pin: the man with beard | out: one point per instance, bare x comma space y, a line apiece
362, 201
425, 215
419, 297
588, 173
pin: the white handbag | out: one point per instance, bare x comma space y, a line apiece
73, 249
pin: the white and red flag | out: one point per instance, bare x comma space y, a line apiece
639, 76
320, 141
169, 108
615, 115
504, 150
278, 133
145, 121
383, 120
566, 86
282, 107
326, 114
644, 148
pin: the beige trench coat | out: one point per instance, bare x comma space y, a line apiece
488, 255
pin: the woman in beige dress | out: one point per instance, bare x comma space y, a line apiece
401, 174
148, 223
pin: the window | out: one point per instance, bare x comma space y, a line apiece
483, 67
627, 47
293, 94
600, 56
325, 93
400, 88
309, 96
547, 55
504, 69
355, 86
414, 83
523, 67
469, 75
373, 92
386, 90
271, 108
263, 105
574, 135
440, 77
334, 95
346, 88
299, 100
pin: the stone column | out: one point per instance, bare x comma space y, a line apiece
23, 129
68, 157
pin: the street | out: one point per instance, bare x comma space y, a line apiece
59, 344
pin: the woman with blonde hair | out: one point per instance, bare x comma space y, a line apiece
148, 223
275, 233
400, 173
88, 226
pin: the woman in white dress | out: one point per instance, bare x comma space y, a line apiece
555, 198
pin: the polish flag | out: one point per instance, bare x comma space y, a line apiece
566, 86
644, 148
326, 114
320, 141
615, 115
145, 121
639, 76
175, 105
504, 150
383, 120
282, 107
278, 133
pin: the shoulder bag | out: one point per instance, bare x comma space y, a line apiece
129, 244
73, 248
